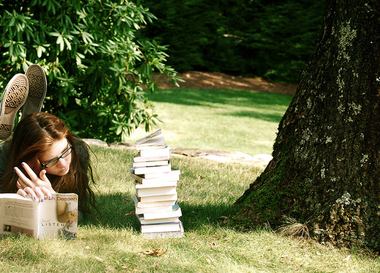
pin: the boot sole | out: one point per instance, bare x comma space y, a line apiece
14, 97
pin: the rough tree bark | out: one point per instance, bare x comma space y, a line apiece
325, 170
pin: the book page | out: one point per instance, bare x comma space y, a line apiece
154, 139
18, 215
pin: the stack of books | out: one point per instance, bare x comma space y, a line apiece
156, 203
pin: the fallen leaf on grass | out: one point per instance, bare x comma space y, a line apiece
213, 244
98, 259
156, 252
223, 219
347, 258
132, 212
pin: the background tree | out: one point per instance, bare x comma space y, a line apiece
273, 38
97, 63
325, 169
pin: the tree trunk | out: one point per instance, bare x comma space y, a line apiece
325, 170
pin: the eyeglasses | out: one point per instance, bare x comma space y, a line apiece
53, 161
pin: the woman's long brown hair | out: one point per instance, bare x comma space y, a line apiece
34, 135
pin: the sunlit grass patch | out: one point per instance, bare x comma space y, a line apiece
111, 242
227, 120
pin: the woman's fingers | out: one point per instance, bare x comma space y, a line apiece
31, 193
36, 187
46, 180
47, 192
24, 180
30, 172
22, 193
39, 193
43, 176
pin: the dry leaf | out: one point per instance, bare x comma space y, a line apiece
156, 252
98, 259
347, 258
223, 219
131, 213
213, 244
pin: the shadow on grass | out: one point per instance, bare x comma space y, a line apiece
117, 211
257, 115
220, 96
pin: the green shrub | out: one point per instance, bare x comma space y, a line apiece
98, 65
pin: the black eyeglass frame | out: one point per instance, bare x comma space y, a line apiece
51, 162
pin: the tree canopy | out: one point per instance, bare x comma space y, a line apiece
273, 39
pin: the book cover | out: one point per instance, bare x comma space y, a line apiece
54, 218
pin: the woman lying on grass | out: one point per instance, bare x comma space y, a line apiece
43, 156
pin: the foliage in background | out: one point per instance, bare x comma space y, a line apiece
97, 64
273, 39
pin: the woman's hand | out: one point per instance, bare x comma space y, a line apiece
38, 188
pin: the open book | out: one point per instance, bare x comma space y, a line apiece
54, 218
154, 139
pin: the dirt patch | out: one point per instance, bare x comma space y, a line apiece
196, 79
258, 161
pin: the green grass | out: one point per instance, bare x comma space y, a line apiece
111, 241
227, 120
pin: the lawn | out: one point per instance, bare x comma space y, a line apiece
110, 241
218, 119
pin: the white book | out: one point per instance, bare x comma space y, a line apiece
154, 178
157, 205
161, 227
150, 208
163, 214
154, 139
156, 191
165, 234
53, 218
142, 210
154, 152
150, 163
158, 221
170, 197
152, 170
156, 184
139, 159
